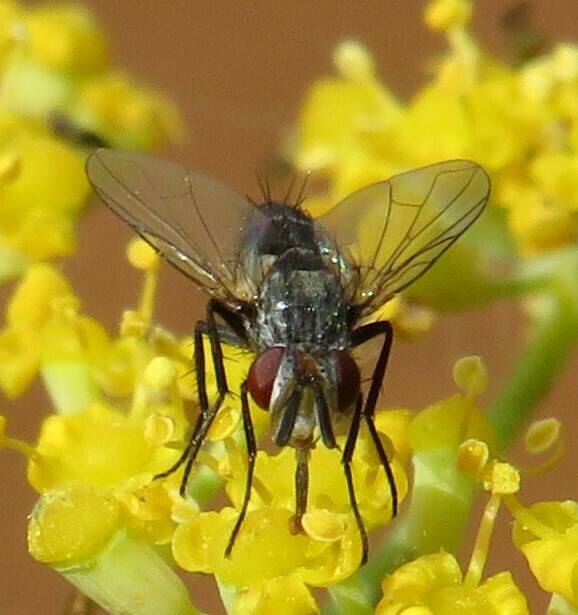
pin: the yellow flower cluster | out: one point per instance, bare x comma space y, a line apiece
101, 513
454, 433
60, 96
95, 460
326, 553
519, 123
120, 413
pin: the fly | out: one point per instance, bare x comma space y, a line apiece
294, 291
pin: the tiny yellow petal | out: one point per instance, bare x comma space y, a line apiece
32, 303
19, 360
10, 167
323, 525
565, 62
158, 429
160, 373
286, 595
225, 424
473, 456
413, 582
504, 595
65, 39
76, 449
547, 534
470, 374
199, 544
353, 61
446, 14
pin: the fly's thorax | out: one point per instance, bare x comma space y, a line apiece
301, 307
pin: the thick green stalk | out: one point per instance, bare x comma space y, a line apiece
550, 344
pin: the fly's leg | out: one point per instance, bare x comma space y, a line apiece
252, 455
360, 336
364, 334
346, 461
207, 413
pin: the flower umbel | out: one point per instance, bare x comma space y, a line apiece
123, 404
127, 513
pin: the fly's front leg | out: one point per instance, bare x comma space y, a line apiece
360, 336
207, 412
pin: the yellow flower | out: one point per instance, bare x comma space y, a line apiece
42, 298
342, 135
60, 96
34, 228
433, 584
327, 552
75, 449
60, 63
64, 38
79, 531
129, 116
547, 535
255, 565
517, 122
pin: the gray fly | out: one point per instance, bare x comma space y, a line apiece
293, 290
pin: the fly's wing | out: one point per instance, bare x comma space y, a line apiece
194, 222
393, 231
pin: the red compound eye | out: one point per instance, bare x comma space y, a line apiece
348, 379
262, 375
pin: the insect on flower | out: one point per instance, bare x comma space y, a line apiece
293, 290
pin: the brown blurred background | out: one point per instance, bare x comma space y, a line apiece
238, 71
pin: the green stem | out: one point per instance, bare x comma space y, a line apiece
350, 597
550, 344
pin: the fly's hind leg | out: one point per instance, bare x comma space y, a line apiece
365, 410
360, 336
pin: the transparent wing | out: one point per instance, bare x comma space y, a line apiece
394, 231
195, 222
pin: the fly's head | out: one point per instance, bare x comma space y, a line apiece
302, 390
